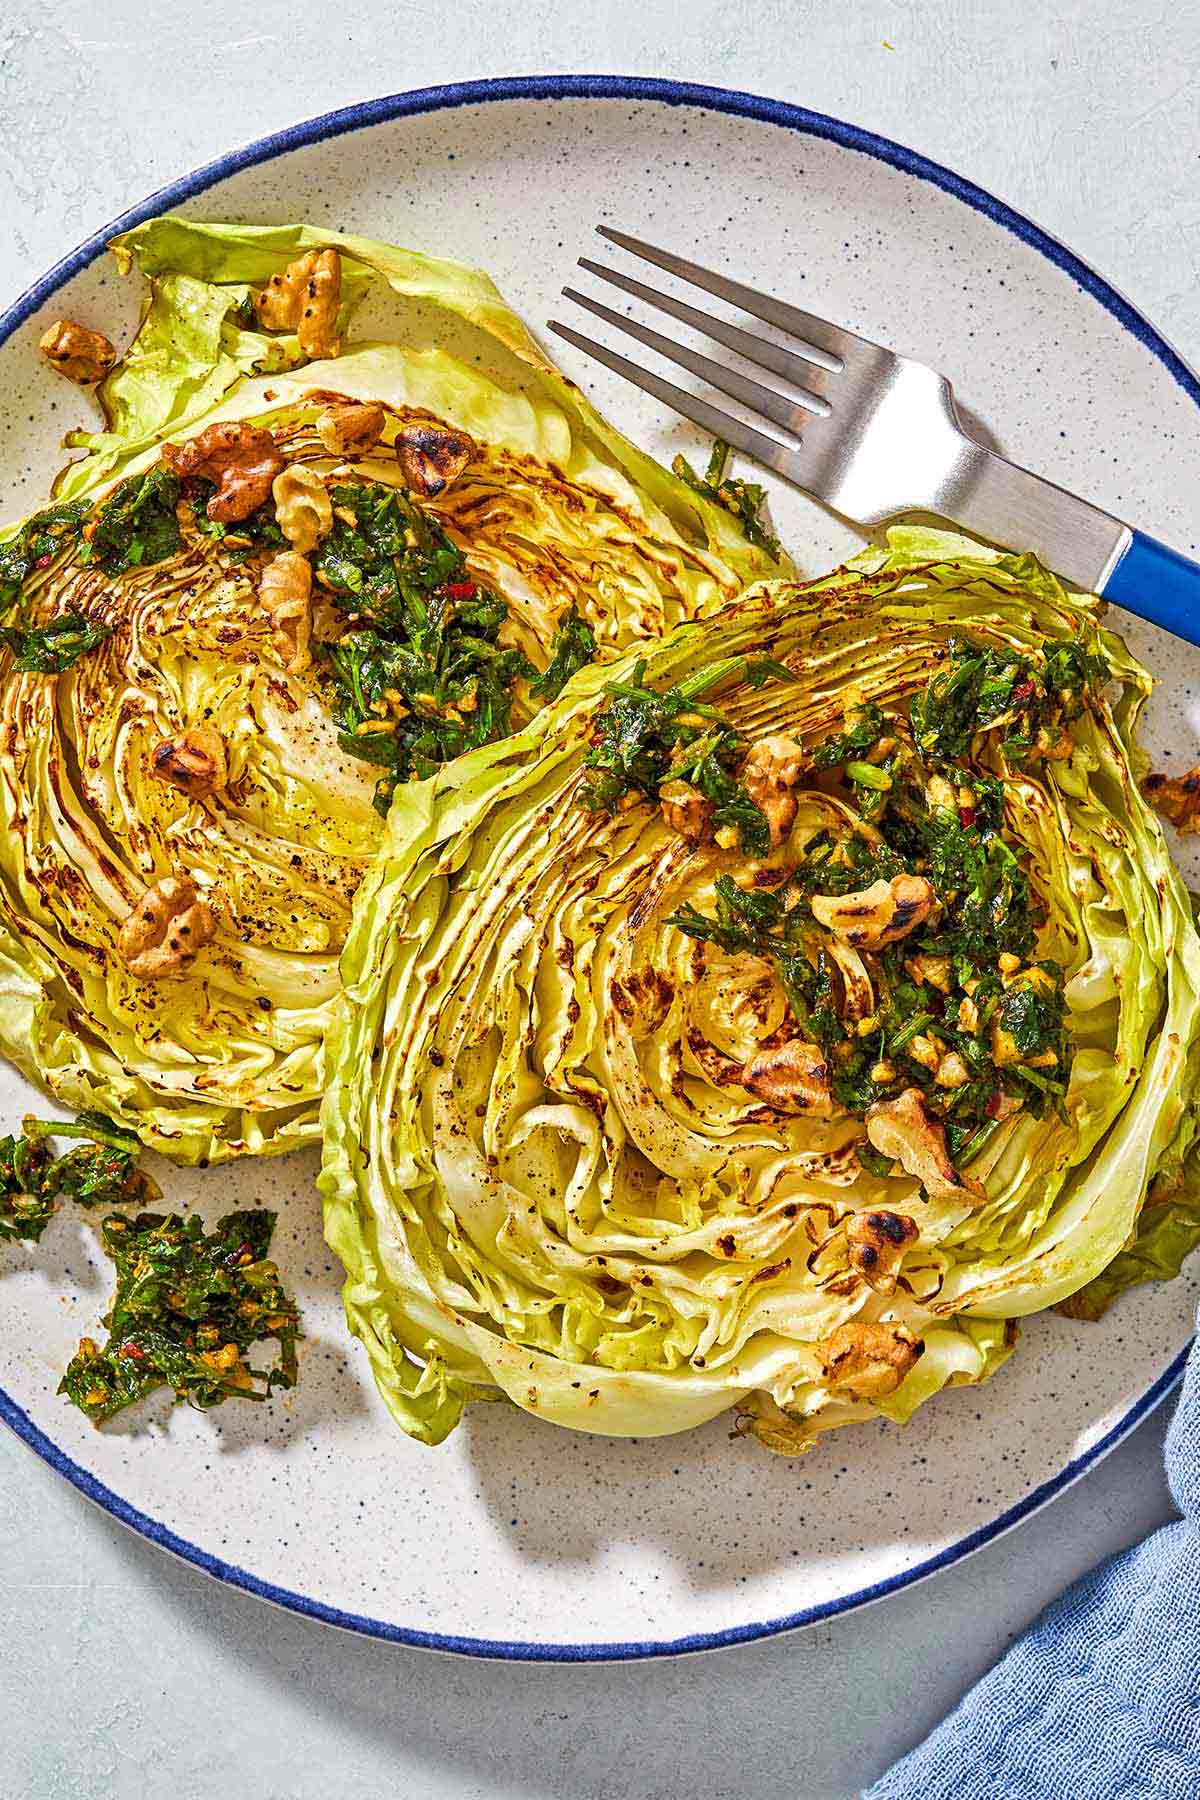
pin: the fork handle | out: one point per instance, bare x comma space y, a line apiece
1089, 547
1158, 584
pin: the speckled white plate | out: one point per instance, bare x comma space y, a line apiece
515, 1539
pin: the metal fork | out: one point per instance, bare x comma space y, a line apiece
875, 435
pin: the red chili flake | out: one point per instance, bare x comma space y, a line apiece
461, 590
134, 1352
992, 1103
966, 816
1023, 691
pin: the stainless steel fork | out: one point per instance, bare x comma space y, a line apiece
875, 435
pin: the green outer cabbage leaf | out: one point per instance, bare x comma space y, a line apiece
485, 1084
200, 274
1168, 1230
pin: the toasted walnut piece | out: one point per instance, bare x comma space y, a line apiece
305, 299
278, 305
193, 761
939, 794
877, 1242
431, 457
952, 1071
907, 1131
792, 1077
81, 355
1048, 748
926, 1050
686, 810
868, 1360
1176, 797
774, 1429
321, 300
770, 774
286, 594
936, 970
166, 928
879, 914
242, 459
302, 506
1005, 1049
351, 427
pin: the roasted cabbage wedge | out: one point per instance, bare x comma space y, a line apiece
163, 724
631, 1123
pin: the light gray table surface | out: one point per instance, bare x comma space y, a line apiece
123, 1673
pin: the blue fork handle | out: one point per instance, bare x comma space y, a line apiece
1158, 584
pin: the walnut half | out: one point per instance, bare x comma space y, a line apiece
193, 761
166, 928
432, 457
792, 1077
242, 459
302, 506
771, 773
306, 299
877, 1242
351, 427
907, 1131
685, 809
868, 1361
879, 914
81, 355
1176, 797
286, 594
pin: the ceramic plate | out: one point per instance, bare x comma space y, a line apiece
515, 1539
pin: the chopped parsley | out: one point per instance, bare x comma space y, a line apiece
244, 537
187, 1308
984, 689
744, 499
644, 739
34, 547
960, 1010
761, 923
51, 648
137, 525
384, 557
101, 1172
422, 674
863, 731
573, 649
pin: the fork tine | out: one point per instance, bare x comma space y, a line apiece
793, 367
766, 450
774, 406
834, 340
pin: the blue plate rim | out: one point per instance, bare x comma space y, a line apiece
783, 113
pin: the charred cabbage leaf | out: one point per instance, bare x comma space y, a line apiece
545, 1171
131, 619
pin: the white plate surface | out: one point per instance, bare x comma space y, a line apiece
515, 1539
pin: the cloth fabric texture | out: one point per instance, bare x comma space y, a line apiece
1100, 1699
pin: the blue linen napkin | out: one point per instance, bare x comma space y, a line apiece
1100, 1700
